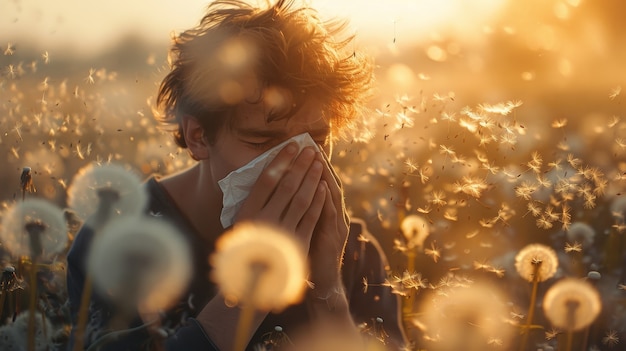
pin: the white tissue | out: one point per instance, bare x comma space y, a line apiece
237, 184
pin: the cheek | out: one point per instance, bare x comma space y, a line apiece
225, 161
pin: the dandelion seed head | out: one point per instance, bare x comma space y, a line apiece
581, 232
572, 304
415, 230
91, 183
537, 257
141, 263
252, 244
467, 318
50, 225
13, 336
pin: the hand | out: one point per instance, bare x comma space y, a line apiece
289, 193
330, 236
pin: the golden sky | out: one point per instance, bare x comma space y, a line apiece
90, 26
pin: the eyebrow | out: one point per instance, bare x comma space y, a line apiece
277, 133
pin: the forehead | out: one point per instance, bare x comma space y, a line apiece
256, 117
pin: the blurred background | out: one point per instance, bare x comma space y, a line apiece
499, 121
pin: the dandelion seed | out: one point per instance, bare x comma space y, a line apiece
611, 338
615, 92
46, 57
34, 228
247, 245
552, 333
411, 166
499, 272
575, 247
95, 183
142, 263
90, 79
434, 252
571, 304
613, 122
559, 123
446, 150
535, 163
10, 50
573, 161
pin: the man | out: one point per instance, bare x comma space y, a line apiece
242, 81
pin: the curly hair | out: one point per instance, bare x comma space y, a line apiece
237, 46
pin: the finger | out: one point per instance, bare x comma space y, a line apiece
303, 198
331, 169
269, 178
312, 215
289, 184
335, 187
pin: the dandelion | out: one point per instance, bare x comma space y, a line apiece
255, 244
260, 267
34, 228
142, 263
12, 336
581, 232
105, 190
468, 318
415, 230
535, 263
571, 305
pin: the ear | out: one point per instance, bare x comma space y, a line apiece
195, 139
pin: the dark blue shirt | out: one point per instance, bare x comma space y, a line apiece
364, 259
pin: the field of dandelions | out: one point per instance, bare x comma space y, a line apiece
495, 187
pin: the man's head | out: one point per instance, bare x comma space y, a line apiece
277, 57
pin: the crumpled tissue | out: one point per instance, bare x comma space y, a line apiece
237, 184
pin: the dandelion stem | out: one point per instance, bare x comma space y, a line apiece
79, 339
32, 307
3, 297
248, 308
570, 337
572, 306
531, 307
34, 229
